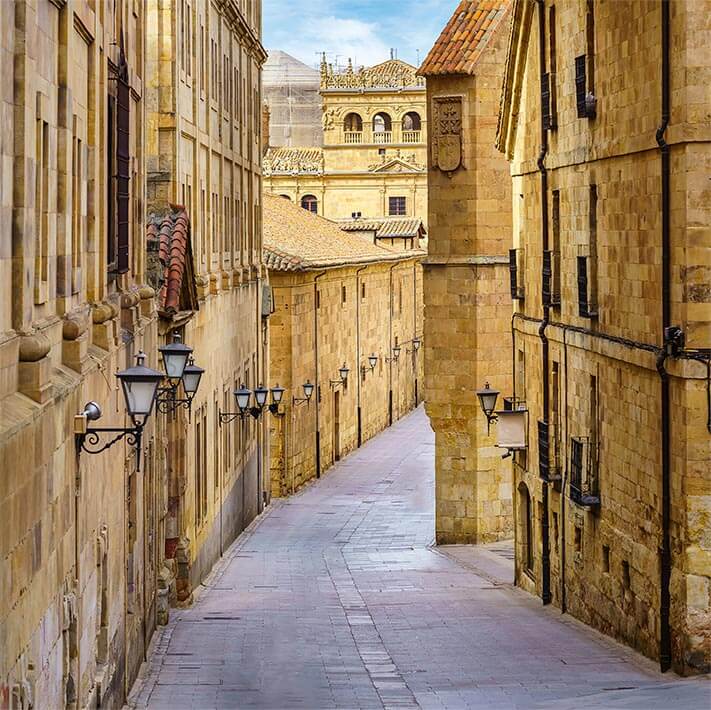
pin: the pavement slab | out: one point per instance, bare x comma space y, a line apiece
336, 598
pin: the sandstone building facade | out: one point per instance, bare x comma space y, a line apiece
92, 544
467, 303
610, 155
339, 300
373, 158
203, 153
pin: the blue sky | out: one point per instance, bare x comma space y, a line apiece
363, 30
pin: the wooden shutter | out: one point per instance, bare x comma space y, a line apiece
583, 305
513, 273
123, 165
547, 272
576, 469
580, 85
543, 450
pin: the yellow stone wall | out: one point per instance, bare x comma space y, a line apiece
604, 561
361, 177
468, 310
203, 152
382, 308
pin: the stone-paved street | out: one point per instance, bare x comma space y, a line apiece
335, 599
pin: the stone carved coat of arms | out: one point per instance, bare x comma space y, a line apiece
447, 143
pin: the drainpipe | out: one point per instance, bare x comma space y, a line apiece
563, 594
415, 371
665, 548
546, 559
360, 427
390, 351
318, 384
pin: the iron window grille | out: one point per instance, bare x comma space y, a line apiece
516, 265
587, 308
397, 206
583, 489
547, 109
551, 278
585, 100
547, 463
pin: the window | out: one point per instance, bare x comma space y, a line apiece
343, 295
605, 559
553, 101
42, 211
362, 291
587, 265
555, 254
397, 206
585, 68
411, 121
382, 128
527, 527
286, 197
310, 203
353, 123
123, 161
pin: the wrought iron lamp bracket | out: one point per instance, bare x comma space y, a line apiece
91, 440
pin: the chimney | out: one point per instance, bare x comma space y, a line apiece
265, 128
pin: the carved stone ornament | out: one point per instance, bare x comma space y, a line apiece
447, 141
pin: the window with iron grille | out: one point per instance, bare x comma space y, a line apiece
397, 206
543, 450
582, 490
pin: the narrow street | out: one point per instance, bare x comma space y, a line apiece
335, 598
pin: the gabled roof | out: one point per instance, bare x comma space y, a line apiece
297, 240
467, 33
398, 165
514, 70
173, 276
386, 227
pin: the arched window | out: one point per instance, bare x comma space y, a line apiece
286, 197
310, 203
411, 127
353, 123
382, 128
526, 526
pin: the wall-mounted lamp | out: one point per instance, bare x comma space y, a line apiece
395, 354
487, 400
140, 387
343, 375
242, 400
308, 388
512, 420
416, 342
179, 368
372, 362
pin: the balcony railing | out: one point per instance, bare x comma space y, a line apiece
353, 136
411, 136
382, 136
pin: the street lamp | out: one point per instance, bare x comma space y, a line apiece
416, 342
343, 375
395, 354
175, 359
372, 362
487, 400
140, 387
242, 400
308, 388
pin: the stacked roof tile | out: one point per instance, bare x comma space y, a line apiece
170, 233
467, 33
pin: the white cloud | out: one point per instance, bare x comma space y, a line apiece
363, 30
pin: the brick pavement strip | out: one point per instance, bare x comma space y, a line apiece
334, 598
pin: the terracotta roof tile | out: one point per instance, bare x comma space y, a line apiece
467, 33
171, 230
386, 227
297, 240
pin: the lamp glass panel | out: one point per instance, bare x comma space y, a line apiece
308, 389
343, 372
488, 398
139, 396
242, 396
373, 360
191, 379
277, 394
260, 396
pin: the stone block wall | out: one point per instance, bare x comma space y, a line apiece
353, 320
604, 203
468, 308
